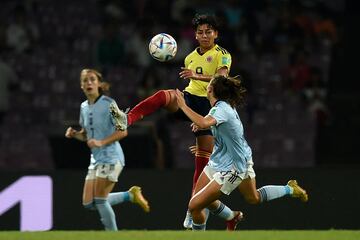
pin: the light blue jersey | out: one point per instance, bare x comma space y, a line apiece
99, 124
231, 149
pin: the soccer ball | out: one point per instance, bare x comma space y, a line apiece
162, 47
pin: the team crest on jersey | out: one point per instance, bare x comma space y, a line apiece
213, 110
209, 59
225, 60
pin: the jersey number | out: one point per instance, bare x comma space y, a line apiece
199, 70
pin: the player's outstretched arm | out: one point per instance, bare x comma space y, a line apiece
200, 121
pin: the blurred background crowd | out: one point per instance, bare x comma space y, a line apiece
290, 53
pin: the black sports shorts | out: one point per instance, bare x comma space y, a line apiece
201, 105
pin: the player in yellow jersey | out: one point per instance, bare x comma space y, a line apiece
201, 65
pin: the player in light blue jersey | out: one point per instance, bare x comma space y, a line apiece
102, 134
230, 165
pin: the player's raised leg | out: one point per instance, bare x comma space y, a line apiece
119, 117
162, 98
270, 192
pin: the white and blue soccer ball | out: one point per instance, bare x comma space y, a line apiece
163, 47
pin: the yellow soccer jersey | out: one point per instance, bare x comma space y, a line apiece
206, 64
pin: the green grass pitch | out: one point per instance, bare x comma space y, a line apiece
183, 235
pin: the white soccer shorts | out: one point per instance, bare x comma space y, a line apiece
231, 179
105, 170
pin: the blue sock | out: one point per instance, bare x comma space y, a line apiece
207, 213
270, 192
106, 213
118, 197
224, 212
89, 205
198, 227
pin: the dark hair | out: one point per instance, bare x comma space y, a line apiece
208, 19
229, 89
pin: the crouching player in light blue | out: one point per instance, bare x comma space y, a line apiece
102, 132
230, 165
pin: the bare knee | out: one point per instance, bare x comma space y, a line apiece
171, 102
193, 207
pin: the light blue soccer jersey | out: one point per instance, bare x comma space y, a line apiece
99, 124
231, 150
